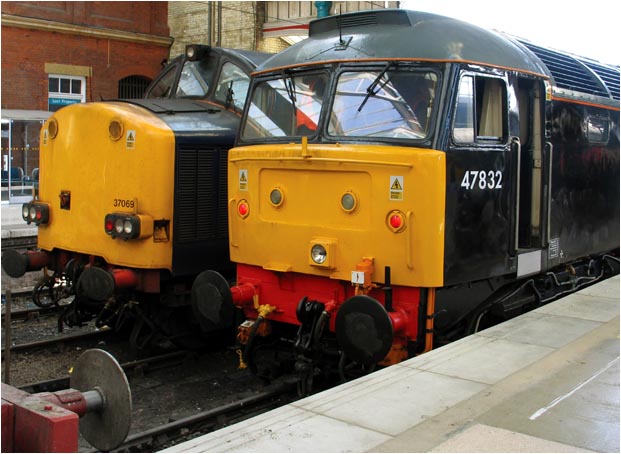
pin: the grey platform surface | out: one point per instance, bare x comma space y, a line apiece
13, 226
547, 381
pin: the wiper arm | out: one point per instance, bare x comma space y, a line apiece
290, 88
373, 87
229, 95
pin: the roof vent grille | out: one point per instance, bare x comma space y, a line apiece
360, 19
577, 74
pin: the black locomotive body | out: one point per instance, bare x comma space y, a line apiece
402, 179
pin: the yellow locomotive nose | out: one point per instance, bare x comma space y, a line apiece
319, 208
98, 163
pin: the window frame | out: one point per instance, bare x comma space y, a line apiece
239, 105
257, 82
478, 139
398, 66
65, 98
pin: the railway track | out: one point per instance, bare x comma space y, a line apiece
61, 342
25, 242
207, 421
140, 366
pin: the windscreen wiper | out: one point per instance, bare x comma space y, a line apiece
229, 95
375, 86
290, 88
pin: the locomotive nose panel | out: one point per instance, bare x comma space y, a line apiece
319, 209
102, 158
323, 204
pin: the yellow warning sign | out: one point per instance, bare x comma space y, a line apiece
130, 139
396, 187
46, 135
243, 180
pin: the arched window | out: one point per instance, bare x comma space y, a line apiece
133, 87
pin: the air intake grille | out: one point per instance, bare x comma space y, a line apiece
608, 74
578, 75
200, 195
361, 19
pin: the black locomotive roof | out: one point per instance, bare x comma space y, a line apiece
405, 34
252, 57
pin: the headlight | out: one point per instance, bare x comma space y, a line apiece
277, 197
128, 226
115, 129
52, 128
319, 254
37, 212
118, 225
349, 202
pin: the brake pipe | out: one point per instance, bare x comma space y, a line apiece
125, 278
244, 295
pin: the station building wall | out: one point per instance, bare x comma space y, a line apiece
98, 42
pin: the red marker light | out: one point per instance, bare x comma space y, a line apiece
243, 209
109, 224
395, 221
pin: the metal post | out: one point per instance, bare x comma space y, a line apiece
7, 339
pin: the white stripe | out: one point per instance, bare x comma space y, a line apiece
559, 399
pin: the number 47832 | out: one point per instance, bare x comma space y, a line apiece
482, 179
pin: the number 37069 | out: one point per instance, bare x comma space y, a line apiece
123, 203
482, 179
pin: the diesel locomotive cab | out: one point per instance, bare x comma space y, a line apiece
124, 229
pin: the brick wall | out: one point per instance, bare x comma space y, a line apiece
233, 24
26, 51
139, 17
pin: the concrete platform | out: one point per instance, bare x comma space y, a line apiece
13, 226
547, 381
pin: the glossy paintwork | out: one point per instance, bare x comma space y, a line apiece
403, 34
313, 180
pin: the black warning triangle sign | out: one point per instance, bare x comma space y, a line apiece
396, 186
243, 178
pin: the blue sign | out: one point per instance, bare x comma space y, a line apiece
56, 103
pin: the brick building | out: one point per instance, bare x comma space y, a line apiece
55, 53
59, 53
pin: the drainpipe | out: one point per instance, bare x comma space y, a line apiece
219, 38
323, 8
209, 22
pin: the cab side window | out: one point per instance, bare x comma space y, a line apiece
162, 88
232, 86
481, 110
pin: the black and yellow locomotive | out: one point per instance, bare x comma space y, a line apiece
403, 179
132, 202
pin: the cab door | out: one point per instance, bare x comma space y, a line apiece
480, 160
532, 179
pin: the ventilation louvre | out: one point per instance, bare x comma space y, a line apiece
200, 199
577, 74
361, 19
